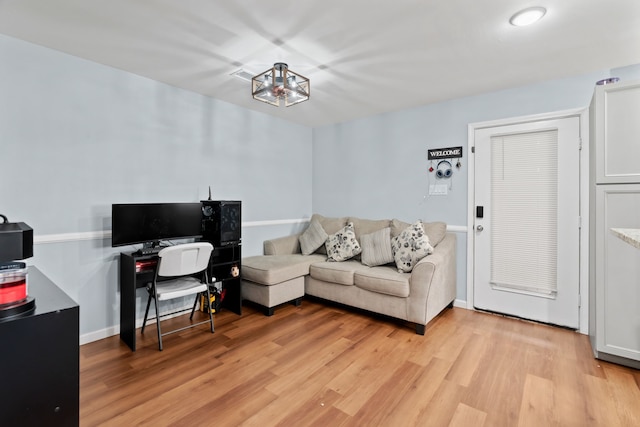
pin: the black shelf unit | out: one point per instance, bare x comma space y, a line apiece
223, 261
40, 356
222, 226
135, 272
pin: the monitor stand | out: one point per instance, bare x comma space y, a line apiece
151, 248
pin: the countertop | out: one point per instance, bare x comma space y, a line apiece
629, 235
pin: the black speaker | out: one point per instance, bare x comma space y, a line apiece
16, 241
222, 222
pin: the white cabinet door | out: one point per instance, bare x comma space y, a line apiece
615, 131
617, 272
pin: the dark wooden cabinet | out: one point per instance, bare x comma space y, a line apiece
40, 360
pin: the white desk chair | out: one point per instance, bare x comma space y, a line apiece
180, 263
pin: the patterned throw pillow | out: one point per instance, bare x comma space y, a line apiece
376, 248
410, 246
342, 245
435, 230
312, 238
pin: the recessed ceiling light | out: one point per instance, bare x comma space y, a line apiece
528, 16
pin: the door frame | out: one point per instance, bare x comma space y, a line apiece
583, 115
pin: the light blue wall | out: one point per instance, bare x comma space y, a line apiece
630, 72
77, 136
377, 167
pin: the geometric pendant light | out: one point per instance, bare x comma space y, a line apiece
279, 84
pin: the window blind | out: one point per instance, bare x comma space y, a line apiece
524, 208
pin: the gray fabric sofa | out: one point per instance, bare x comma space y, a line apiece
283, 274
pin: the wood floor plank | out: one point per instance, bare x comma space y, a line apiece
442, 406
626, 395
323, 365
538, 403
419, 395
466, 416
388, 395
363, 378
603, 410
569, 388
466, 364
298, 370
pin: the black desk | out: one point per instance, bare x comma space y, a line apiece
130, 280
40, 359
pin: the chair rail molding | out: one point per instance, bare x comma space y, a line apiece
44, 239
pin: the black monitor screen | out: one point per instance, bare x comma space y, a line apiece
153, 222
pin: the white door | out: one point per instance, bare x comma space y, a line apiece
526, 233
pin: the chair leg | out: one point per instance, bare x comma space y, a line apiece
146, 313
158, 325
209, 309
193, 310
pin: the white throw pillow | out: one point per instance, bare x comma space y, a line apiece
376, 248
410, 246
343, 245
312, 238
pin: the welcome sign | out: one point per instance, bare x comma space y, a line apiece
444, 153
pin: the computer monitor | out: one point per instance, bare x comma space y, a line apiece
150, 223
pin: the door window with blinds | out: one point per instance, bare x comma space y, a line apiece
524, 197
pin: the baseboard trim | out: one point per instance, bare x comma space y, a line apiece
115, 330
460, 303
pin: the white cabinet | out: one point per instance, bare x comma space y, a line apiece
614, 198
617, 273
616, 115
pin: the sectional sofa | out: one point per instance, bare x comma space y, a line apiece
406, 271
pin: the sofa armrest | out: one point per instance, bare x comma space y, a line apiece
282, 245
433, 282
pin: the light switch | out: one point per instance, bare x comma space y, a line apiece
438, 189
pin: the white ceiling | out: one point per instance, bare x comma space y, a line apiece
363, 57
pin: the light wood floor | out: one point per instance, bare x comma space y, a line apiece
325, 366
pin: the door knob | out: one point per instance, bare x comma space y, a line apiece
479, 228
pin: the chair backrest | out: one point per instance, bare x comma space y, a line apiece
184, 259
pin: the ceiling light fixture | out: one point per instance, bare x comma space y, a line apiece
280, 84
528, 16
608, 81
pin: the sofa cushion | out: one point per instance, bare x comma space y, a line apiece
342, 245
376, 248
397, 227
368, 226
435, 230
274, 269
336, 272
410, 246
312, 238
383, 280
330, 226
